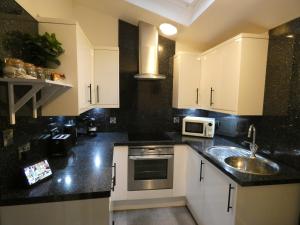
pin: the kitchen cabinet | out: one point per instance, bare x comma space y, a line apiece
207, 192
76, 64
88, 212
218, 197
194, 187
233, 75
106, 77
213, 198
186, 80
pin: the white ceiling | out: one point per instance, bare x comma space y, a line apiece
184, 12
222, 20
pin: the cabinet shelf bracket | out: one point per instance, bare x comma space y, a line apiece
50, 90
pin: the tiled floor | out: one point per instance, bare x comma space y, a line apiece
159, 216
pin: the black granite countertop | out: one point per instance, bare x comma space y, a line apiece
286, 175
86, 173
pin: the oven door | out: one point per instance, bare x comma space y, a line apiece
150, 172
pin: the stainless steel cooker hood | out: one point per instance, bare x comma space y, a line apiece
148, 53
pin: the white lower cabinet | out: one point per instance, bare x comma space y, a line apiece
207, 192
79, 212
214, 199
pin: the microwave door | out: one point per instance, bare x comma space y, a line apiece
195, 128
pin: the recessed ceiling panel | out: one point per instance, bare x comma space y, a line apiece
181, 11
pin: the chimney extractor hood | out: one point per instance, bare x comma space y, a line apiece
148, 53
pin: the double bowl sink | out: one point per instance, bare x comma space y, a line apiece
240, 159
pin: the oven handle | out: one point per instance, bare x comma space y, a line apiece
151, 157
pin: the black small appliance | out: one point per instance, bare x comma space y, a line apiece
60, 144
91, 128
70, 128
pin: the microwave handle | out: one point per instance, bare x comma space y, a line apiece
151, 157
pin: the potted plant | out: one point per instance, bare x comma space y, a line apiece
40, 50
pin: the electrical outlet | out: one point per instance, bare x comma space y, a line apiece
112, 120
7, 137
23, 149
176, 119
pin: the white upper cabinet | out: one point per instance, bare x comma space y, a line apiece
106, 77
85, 54
233, 76
76, 64
186, 80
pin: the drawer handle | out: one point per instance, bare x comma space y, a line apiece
229, 197
201, 168
197, 95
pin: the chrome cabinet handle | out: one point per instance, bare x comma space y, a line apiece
197, 95
98, 98
211, 96
151, 157
90, 87
229, 197
201, 168
114, 179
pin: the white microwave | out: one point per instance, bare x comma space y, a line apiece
198, 126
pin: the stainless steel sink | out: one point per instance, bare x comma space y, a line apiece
259, 166
222, 152
239, 159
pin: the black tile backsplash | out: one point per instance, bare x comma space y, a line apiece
145, 106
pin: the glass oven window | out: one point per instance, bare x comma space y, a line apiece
194, 127
151, 169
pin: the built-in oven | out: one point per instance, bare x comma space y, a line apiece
150, 167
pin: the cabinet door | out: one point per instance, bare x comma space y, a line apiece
226, 80
187, 69
210, 67
195, 186
120, 158
106, 78
217, 201
85, 70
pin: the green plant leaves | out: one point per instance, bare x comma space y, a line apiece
41, 50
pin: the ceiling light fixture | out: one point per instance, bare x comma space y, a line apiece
168, 29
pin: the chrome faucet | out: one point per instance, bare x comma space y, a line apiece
253, 145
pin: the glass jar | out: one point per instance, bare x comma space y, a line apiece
30, 69
47, 73
9, 70
40, 73
19, 65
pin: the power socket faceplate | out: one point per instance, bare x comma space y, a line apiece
176, 119
7, 137
23, 148
112, 120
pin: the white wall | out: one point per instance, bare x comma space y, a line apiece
48, 8
186, 47
100, 28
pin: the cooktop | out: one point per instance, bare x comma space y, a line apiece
148, 137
